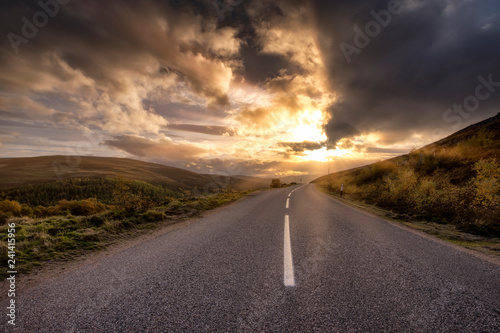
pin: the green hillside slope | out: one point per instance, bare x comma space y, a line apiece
455, 180
16, 172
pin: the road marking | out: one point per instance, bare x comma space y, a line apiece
298, 188
287, 203
288, 277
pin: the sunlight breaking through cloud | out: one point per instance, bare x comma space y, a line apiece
177, 83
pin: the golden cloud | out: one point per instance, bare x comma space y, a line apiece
163, 149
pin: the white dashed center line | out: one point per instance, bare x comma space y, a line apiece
288, 277
287, 203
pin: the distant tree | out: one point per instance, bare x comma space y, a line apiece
275, 183
124, 197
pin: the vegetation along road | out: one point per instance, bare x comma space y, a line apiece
285, 260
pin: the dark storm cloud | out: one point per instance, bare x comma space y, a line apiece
257, 67
337, 130
260, 67
104, 39
427, 58
300, 147
163, 148
132, 71
203, 129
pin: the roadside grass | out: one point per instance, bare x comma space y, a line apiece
453, 182
446, 232
450, 233
39, 240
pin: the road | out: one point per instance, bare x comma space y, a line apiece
340, 270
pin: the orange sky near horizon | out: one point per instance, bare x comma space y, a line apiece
257, 88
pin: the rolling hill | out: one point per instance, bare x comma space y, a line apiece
66, 206
16, 172
454, 180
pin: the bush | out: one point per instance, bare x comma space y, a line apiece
124, 197
144, 203
85, 207
64, 205
52, 211
484, 209
483, 138
26, 210
10, 208
447, 184
396, 189
424, 196
39, 211
82, 208
152, 216
486, 183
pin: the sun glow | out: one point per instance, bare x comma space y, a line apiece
324, 155
309, 128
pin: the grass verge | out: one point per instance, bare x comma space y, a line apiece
446, 232
63, 238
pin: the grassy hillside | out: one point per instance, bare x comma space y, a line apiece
66, 206
102, 189
455, 180
73, 228
15, 172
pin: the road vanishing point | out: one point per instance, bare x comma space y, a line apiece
284, 260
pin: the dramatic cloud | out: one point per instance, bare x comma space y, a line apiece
299, 147
163, 148
272, 88
402, 75
211, 130
100, 61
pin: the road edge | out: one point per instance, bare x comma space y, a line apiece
53, 269
478, 254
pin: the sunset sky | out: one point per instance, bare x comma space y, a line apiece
266, 88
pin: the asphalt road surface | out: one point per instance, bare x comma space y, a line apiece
258, 266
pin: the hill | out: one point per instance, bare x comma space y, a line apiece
65, 206
454, 180
17, 172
